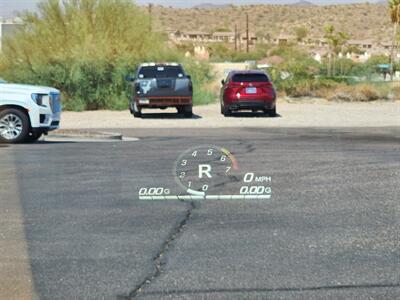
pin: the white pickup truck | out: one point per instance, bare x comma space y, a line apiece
27, 112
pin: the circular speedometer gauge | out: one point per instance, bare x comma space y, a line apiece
202, 169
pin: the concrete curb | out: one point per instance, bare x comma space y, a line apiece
86, 134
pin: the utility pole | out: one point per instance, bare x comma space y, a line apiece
392, 52
247, 32
236, 38
150, 16
240, 36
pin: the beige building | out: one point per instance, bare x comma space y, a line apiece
319, 42
284, 39
361, 44
253, 39
200, 36
223, 37
194, 36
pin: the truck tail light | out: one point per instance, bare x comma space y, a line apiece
137, 87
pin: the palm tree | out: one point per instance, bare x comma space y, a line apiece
336, 40
329, 30
394, 7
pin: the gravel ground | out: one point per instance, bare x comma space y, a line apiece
305, 114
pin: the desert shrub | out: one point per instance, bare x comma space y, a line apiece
202, 77
343, 93
369, 68
387, 90
395, 92
85, 84
357, 93
367, 92
313, 87
301, 74
220, 52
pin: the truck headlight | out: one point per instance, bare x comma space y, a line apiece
38, 98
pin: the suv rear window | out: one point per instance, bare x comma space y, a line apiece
250, 78
161, 72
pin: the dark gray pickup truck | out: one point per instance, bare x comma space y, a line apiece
161, 86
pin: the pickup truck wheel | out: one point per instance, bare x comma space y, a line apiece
188, 111
14, 126
137, 112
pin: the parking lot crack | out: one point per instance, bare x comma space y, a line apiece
159, 260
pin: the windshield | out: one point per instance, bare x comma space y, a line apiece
161, 72
216, 150
250, 78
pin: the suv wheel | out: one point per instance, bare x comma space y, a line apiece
227, 112
271, 112
14, 126
137, 112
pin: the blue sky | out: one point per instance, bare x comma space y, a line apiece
8, 7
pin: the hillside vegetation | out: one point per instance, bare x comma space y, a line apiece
361, 21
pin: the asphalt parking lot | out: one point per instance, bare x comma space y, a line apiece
73, 228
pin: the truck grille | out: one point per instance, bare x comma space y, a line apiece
55, 102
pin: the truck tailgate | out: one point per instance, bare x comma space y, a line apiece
164, 87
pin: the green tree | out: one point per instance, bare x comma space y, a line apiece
71, 29
394, 8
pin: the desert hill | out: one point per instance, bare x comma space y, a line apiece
361, 21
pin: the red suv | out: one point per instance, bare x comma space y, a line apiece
248, 90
